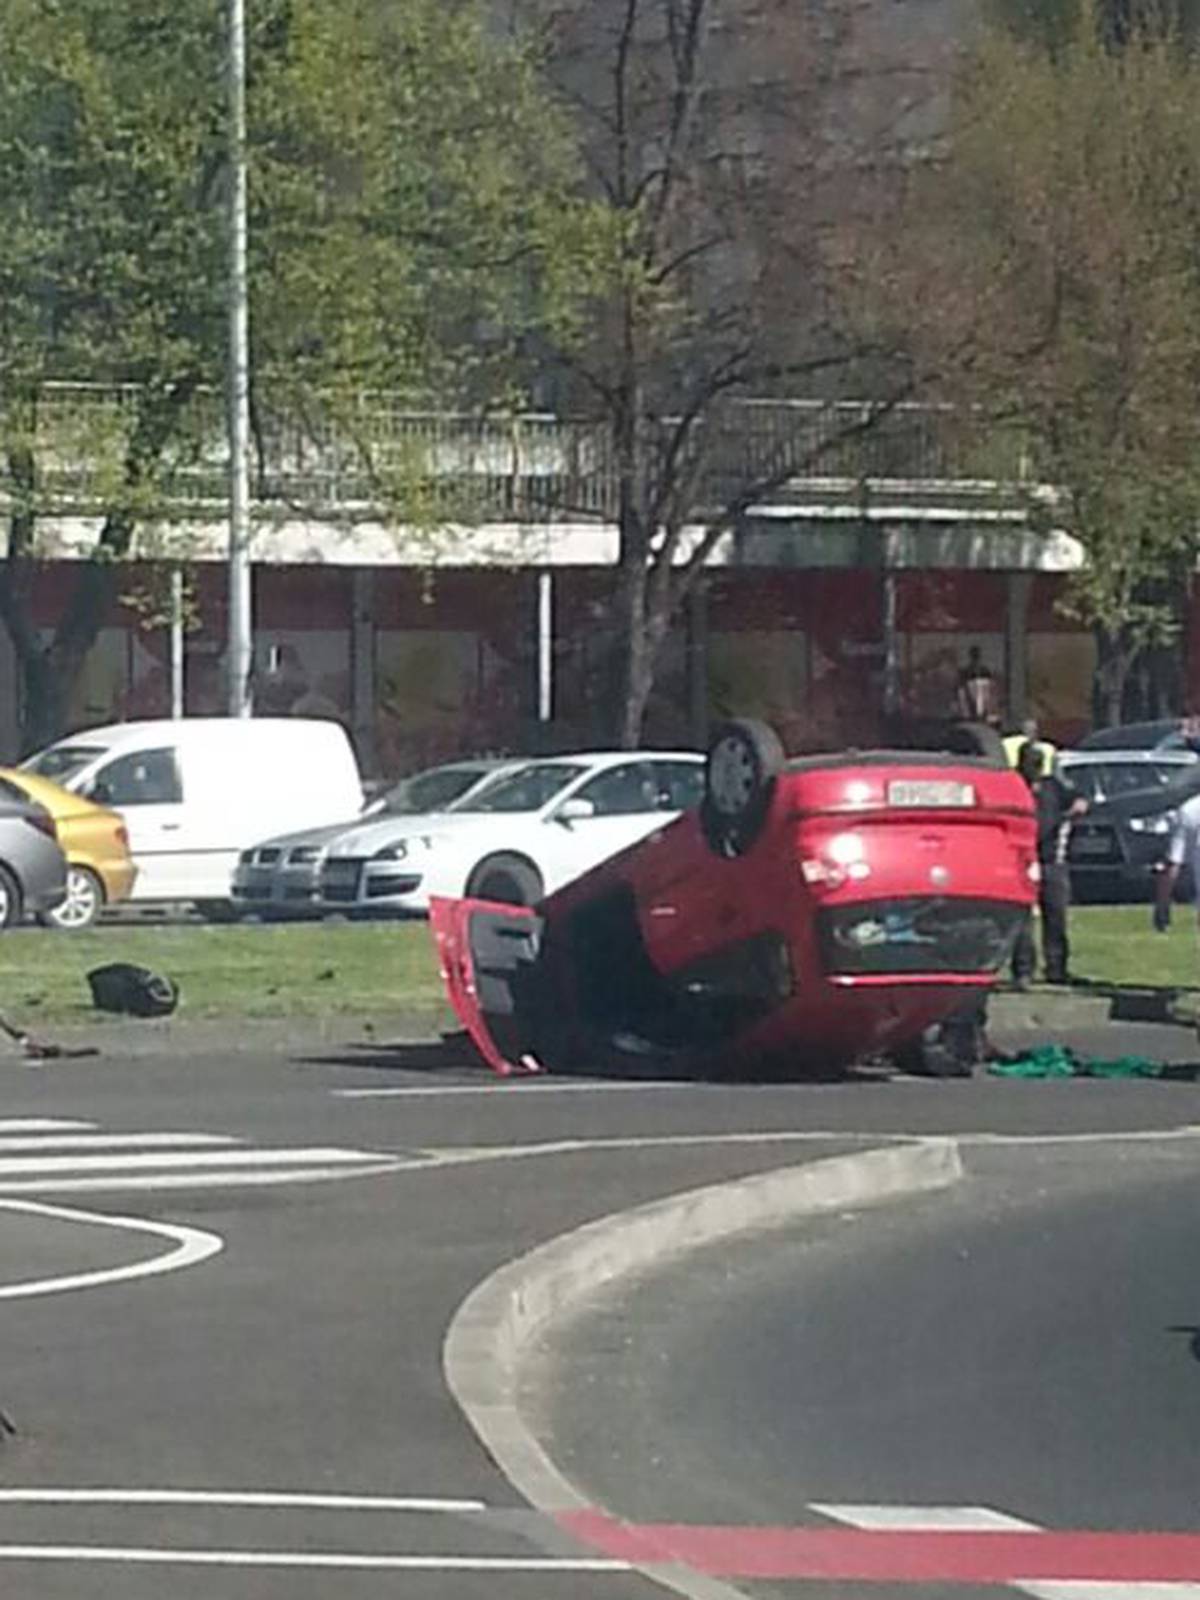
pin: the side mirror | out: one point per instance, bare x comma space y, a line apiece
99, 791
575, 811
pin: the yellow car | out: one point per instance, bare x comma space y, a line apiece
95, 843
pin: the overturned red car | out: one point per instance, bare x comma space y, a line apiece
810, 913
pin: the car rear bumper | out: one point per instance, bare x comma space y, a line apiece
118, 878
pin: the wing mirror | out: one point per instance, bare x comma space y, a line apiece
575, 811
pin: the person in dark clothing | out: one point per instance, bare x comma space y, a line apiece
1056, 805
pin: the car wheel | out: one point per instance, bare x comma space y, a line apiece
979, 740
10, 899
508, 879
744, 760
85, 898
218, 910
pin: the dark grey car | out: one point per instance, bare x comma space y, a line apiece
33, 870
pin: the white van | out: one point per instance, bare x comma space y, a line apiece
194, 793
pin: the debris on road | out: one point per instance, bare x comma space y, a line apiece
132, 991
40, 1049
1060, 1061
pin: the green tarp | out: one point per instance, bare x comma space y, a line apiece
1056, 1061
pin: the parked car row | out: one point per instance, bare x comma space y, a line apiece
515, 833
268, 816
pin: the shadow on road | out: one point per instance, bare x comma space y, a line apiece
455, 1054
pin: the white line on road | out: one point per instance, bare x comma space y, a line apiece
27, 1166
926, 1519
250, 1179
267, 1498
193, 1245
520, 1085
113, 1141
134, 1555
1129, 1590
39, 1125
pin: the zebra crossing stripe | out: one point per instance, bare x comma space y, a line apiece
30, 1143
204, 1160
40, 1125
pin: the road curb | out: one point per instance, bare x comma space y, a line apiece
493, 1327
1052, 1010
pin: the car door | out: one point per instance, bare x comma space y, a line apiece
146, 787
626, 802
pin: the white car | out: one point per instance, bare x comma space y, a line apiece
281, 876
523, 835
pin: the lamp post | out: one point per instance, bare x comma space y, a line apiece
239, 646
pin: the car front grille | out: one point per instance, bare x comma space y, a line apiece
339, 881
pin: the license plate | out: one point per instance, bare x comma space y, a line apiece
939, 793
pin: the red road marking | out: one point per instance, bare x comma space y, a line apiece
996, 1557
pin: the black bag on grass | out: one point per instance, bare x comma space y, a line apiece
132, 991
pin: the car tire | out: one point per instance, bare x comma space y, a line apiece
979, 740
84, 902
744, 759
219, 911
508, 879
10, 899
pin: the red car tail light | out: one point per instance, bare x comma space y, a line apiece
121, 835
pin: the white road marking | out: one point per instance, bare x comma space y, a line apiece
982, 1519
1112, 1591
134, 1555
926, 1519
193, 1245
251, 1178
39, 1124
267, 1498
205, 1160
113, 1141
521, 1084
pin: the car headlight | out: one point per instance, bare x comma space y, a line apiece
402, 849
1161, 824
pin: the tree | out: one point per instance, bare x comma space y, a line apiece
712, 181
1050, 270
404, 168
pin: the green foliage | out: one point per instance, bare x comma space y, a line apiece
1051, 271
406, 174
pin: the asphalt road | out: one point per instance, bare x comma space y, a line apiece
244, 1395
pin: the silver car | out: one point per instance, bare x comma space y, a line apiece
281, 877
33, 869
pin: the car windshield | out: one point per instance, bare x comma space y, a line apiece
1106, 779
528, 789
62, 761
430, 791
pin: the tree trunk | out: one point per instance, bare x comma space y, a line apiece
1113, 664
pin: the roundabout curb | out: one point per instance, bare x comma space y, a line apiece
491, 1332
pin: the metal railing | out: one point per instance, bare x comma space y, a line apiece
373, 456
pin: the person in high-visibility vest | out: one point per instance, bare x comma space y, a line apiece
1029, 735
